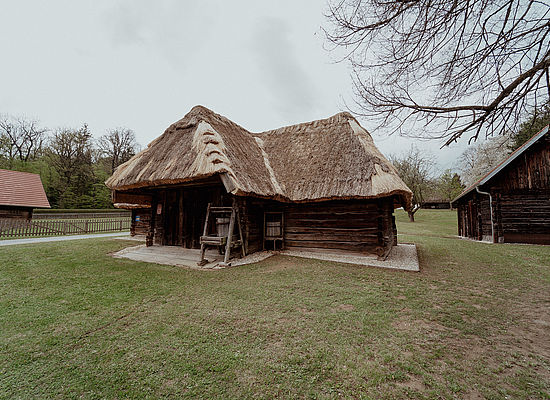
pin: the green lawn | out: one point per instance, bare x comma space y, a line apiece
474, 323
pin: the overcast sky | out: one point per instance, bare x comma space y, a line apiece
144, 64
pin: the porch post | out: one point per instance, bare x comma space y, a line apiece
150, 236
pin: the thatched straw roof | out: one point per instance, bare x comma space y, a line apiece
333, 158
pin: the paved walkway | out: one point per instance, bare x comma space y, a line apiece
179, 256
10, 242
402, 256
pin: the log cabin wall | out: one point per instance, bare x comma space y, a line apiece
180, 213
530, 171
15, 212
251, 212
521, 201
520, 216
141, 220
525, 217
484, 215
365, 226
176, 218
474, 219
357, 226
158, 217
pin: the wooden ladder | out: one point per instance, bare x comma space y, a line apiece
208, 240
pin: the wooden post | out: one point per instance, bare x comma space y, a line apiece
229, 237
263, 233
394, 229
243, 250
496, 217
203, 261
283, 230
150, 236
180, 222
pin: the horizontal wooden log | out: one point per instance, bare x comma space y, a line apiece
353, 224
333, 236
344, 207
344, 215
213, 240
310, 229
329, 245
132, 198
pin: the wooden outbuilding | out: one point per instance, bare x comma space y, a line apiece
20, 193
207, 181
435, 202
511, 203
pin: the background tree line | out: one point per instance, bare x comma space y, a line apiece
417, 169
72, 164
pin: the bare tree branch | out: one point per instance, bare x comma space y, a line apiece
22, 139
444, 69
118, 145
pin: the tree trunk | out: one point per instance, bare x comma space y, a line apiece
412, 212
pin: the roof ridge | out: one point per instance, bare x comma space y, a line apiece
199, 111
340, 117
203, 113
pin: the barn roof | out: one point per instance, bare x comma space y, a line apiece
515, 154
333, 158
22, 189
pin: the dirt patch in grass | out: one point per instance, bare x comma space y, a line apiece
345, 307
413, 383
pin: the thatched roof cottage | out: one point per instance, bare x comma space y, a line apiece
321, 184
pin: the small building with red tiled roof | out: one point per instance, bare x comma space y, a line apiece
511, 203
20, 192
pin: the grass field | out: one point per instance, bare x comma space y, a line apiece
474, 323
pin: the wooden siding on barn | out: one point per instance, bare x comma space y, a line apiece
141, 219
15, 212
521, 201
360, 226
530, 171
365, 226
526, 216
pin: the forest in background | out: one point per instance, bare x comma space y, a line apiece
72, 164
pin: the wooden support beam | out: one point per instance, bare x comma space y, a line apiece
228, 183
203, 261
229, 238
181, 219
150, 236
243, 250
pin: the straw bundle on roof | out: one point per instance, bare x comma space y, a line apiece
333, 158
